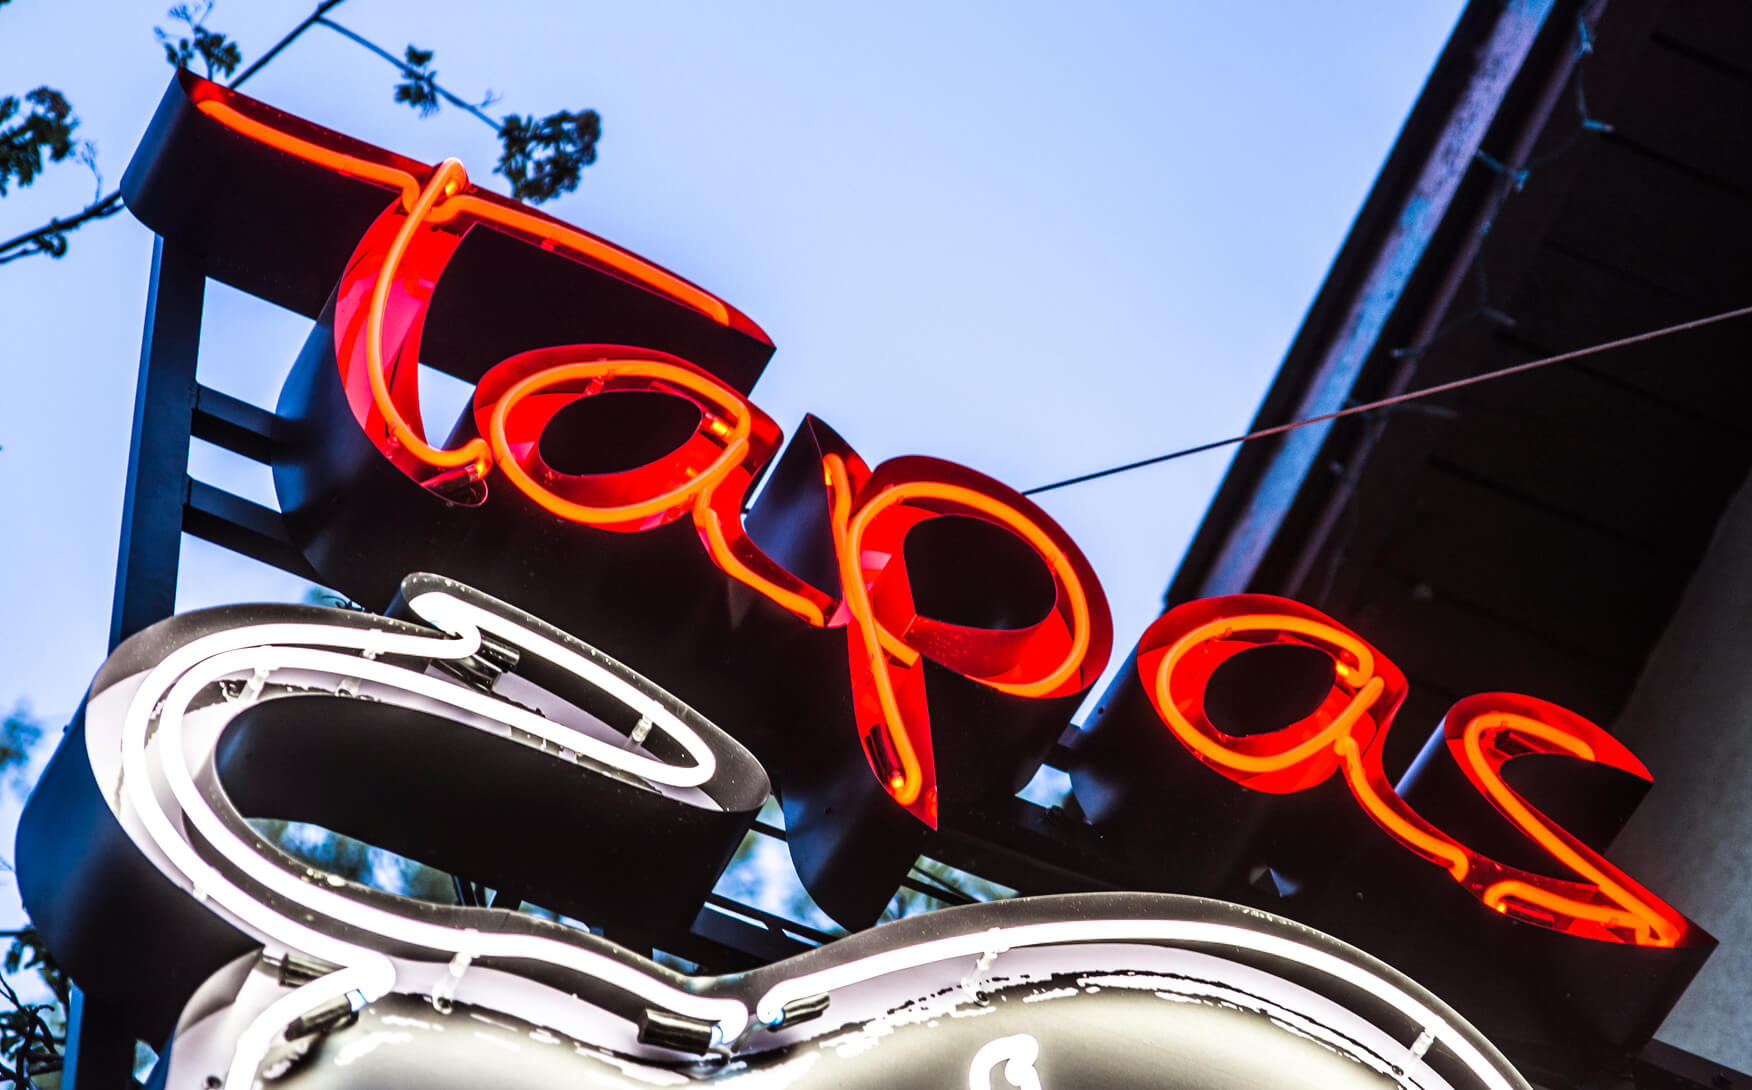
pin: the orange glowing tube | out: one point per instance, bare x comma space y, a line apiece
444, 197
337, 161
1390, 812
731, 442
578, 242
700, 480
1056, 656
1629, 908
906, 784
1336, 727
447, 179
460, 202
1064, 574
811, 608
1181, 651
1354, 673
1345, 732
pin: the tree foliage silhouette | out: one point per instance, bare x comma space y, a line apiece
44, 132
221, 57
541, 157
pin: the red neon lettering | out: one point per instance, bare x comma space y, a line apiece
382, 302
514, 402
463, 202
383, 299
1179, 653
390, 283
707, 476
1486, 731
208, 100
380, 308
871, 514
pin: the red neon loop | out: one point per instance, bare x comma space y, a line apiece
382, 301
515, 402
380, 309
707, 476
1060, 655
1486, 731
1181, 651
387, 287
340, 162
401, 275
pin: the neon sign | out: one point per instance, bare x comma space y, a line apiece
896, 647
204, 711
1181, 650
390, 283
379, 313
402, 259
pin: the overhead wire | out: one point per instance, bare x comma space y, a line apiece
1400, 399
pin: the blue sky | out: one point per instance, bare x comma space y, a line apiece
1031, 240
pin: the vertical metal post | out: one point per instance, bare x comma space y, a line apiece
100, 1048
158, 458
100, 1052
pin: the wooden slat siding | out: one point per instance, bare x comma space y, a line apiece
1337, 561
1599, 452
1458, 649
1532, 566
1721, 29
1568, 302
1633, 212
1691, 112
1373, 280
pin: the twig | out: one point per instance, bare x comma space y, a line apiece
42, 1028
111, 203
108, 205
1400, 399
261, 62
409, 71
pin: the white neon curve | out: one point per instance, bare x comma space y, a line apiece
169, 687
258, 1037
173, 683
1017, 1052
770, 1008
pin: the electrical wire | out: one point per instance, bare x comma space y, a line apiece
1399, 399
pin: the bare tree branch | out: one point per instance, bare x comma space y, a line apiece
51, 237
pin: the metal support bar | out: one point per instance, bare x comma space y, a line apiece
100, 1052
738, 936
236, 425
1028, 848
158, 459
243, 527
1662, 1066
